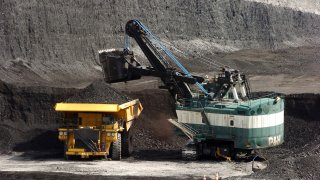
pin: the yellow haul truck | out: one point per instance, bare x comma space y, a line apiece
98, 130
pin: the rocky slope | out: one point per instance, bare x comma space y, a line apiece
56, 42
311, 6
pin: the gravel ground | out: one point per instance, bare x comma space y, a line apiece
127, 167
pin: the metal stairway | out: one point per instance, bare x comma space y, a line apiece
187, 130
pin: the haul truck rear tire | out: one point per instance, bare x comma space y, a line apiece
116, 149
126, 143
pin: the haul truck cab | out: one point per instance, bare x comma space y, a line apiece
97, 130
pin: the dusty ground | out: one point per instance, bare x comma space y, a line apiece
286, 84
131, 167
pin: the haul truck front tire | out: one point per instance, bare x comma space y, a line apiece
116, 149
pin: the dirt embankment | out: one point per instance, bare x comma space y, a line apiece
303, 106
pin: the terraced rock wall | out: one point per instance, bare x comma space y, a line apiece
56, 42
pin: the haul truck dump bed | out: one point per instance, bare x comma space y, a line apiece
93, 130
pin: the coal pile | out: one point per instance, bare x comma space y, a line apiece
99, 92
156, 133
152, 131
27, 117
145, 139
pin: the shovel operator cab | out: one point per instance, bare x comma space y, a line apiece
97, 130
